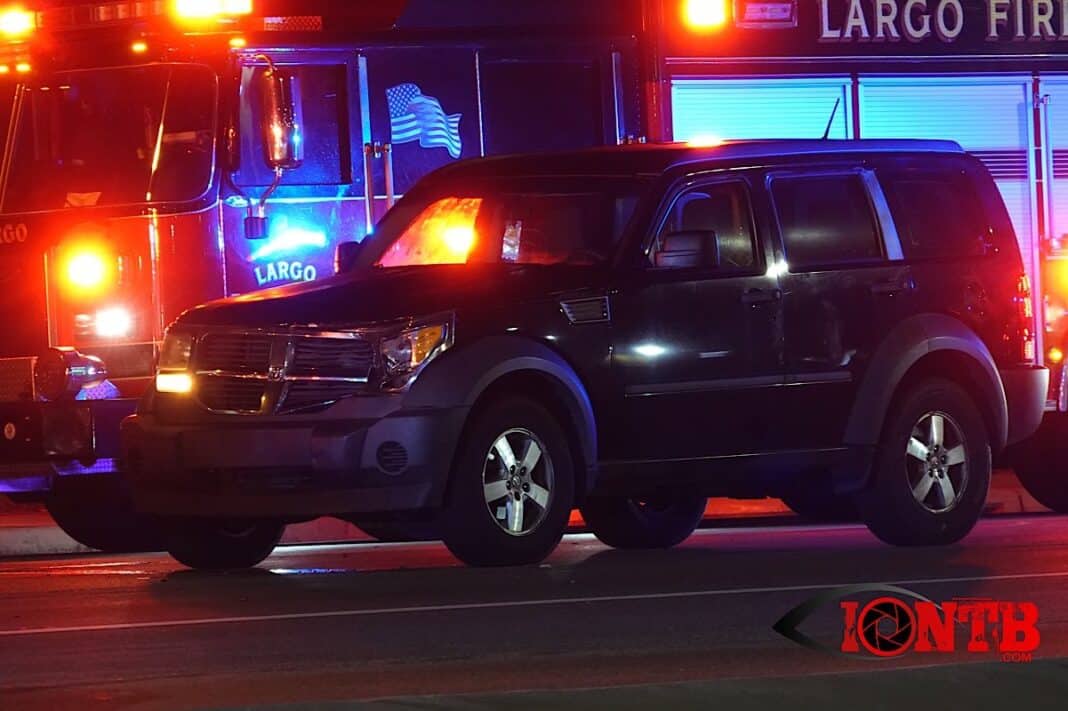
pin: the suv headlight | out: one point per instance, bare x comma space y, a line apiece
174, 358
407, 353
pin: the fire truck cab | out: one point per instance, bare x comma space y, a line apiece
160, 154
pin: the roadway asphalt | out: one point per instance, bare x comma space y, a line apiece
591, 628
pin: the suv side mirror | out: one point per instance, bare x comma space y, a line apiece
688, 249
345, 256
281, 119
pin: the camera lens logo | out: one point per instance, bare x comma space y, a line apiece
886, 627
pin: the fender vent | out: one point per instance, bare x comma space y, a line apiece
392, 457
587, 310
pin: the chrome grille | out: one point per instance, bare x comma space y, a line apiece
262, 373
332, 357
231, 394
309, 395
234, 353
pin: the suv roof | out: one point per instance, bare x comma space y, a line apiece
655, 158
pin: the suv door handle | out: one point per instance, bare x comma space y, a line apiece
754, 297
893, 287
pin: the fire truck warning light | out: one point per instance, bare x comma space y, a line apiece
211, 9
17, 22
705, 15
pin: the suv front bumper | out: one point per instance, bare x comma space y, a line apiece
1025, 395
290, 469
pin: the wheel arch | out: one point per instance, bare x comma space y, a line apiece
928, 345
483, 372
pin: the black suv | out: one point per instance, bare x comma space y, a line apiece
627, 331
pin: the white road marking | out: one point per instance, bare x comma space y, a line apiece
504, 604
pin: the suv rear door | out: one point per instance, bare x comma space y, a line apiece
844, 287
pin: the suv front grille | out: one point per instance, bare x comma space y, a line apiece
332, 357
234, 353
258, 373
232, 394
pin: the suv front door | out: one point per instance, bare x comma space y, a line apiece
845, 287
698, 346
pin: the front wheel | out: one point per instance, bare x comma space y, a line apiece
932, 471
209, 544
98, 513
661, 520
512, 487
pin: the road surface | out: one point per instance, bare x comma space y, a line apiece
358, 622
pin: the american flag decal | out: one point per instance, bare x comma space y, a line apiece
415, 117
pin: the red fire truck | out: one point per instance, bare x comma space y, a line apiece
141, 175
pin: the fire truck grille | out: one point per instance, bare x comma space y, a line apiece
332, 357
16, 379
231, 394
308, 396
237, 353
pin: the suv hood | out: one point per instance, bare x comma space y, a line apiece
390, 294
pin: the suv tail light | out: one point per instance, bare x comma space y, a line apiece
1025, 321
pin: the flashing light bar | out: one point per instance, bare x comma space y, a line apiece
210, 9
17, 23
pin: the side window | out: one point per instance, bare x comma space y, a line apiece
826, 220
326, 155
937, 213
718, 219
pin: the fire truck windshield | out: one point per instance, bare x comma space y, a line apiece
118, 136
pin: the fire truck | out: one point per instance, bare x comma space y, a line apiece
162, 153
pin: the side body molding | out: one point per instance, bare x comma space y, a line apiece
904, 347
466, 373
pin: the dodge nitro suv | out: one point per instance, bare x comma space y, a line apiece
626, 331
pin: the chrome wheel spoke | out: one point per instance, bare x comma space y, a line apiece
917, 449
946, 491
955, 456
531, 457
514, 512
495, 490
938, 424
504, 451
539, 495
923, 488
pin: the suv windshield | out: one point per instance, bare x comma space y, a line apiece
518, 220
114, 137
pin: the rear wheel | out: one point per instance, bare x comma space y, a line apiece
1041, 463
512, 487
210, 544
661, 520
98, 513
932, 471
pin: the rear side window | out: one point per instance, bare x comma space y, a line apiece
937, 213
826, 220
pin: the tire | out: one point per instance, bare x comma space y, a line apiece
480, 523
662, 520
821, 505
1041, 463
98, 513
953, 492
210, 544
